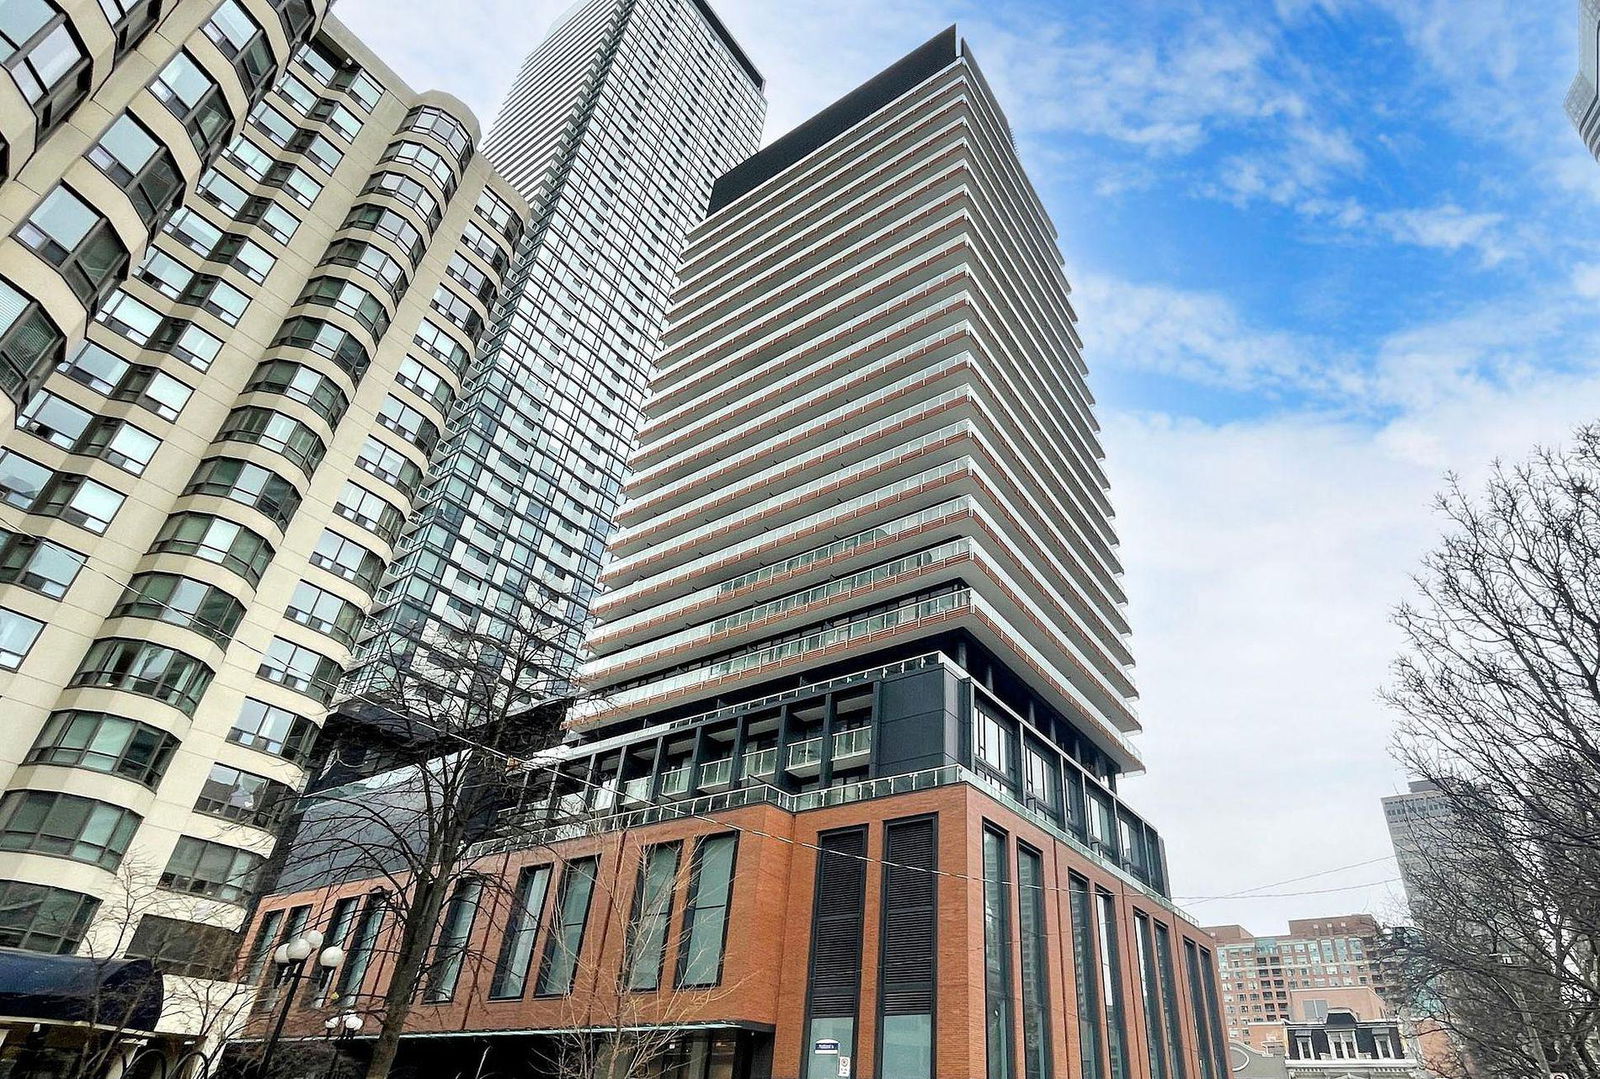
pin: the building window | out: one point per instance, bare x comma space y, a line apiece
326, 339
241, 40
1154, 1031
373, 261
274, 730
652, 914
1210, 1054
347, 559
833, 989
44, 57
183, 949
282, 434
214, 539
140, 165
248, 484
1034, 934
300, 669
1086, 974
1000, 1036
437, 342
908, 948
427, 160
408, 191
450, 950
43, 919
105, 743
407, 422
516, 950
195, 99
370, 511
362, 946
996, 743
182, 601
131, 20
1042, 782
705, 915
340, 922
390, 224
350, 299
17, 634
300, 383
1171, 1018
66, 826
325, 612
146, 669
389, 465
73, 237
243, 797
29, 341
443, 127
560, 964
214, 870
38, 564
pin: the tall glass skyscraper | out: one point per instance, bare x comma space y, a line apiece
614, 131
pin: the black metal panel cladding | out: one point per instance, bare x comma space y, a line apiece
910, 897
836, 927
902, 77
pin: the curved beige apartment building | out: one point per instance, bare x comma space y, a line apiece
243, 270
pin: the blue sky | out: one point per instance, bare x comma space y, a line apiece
1323, 251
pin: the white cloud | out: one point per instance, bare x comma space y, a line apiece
1447, 228
1262, 558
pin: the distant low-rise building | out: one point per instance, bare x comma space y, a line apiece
1344, 1045
1320, 965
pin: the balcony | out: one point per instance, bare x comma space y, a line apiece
851, 749
636, 790
716, 775
761, 762
675, 781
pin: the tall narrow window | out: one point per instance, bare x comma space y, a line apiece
359, 955
339, 925
1086, 972
450, 950
1170, 1016
516, 951
705, 916
833, 990
997, 956
1150, 983
1111, 987
1197, 1002
560, 964
906, 963
1208, 976
1035, 964
652, 914
265, 936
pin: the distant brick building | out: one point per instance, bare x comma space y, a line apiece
1321, 964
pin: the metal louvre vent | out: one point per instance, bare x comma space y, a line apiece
836, 930
910, 897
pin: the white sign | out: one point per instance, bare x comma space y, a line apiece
844, 1068
826, 1045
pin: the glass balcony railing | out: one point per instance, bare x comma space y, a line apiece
716, 773
675, 781
761, 762
804, 754
636, 790
849, 743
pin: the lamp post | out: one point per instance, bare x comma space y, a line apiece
340, 1027
290, 959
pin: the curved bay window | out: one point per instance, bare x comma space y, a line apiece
326, 339
298, 444
78, 241
248, 484
195, 99
101, 742
348, 298
230, 545
66, 826
145, 669
441, 126
45, 58
140, 165
300, 383
30, 342
181, 601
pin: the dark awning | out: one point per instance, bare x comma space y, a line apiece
118, 994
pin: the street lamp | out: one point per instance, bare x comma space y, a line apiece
340, 1027
291, 959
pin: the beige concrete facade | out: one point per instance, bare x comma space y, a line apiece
232, 411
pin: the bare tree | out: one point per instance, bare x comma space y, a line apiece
1498, 696
470, 706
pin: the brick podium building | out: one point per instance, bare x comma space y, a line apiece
848, 785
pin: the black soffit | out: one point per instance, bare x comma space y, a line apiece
118, 994
895, 81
